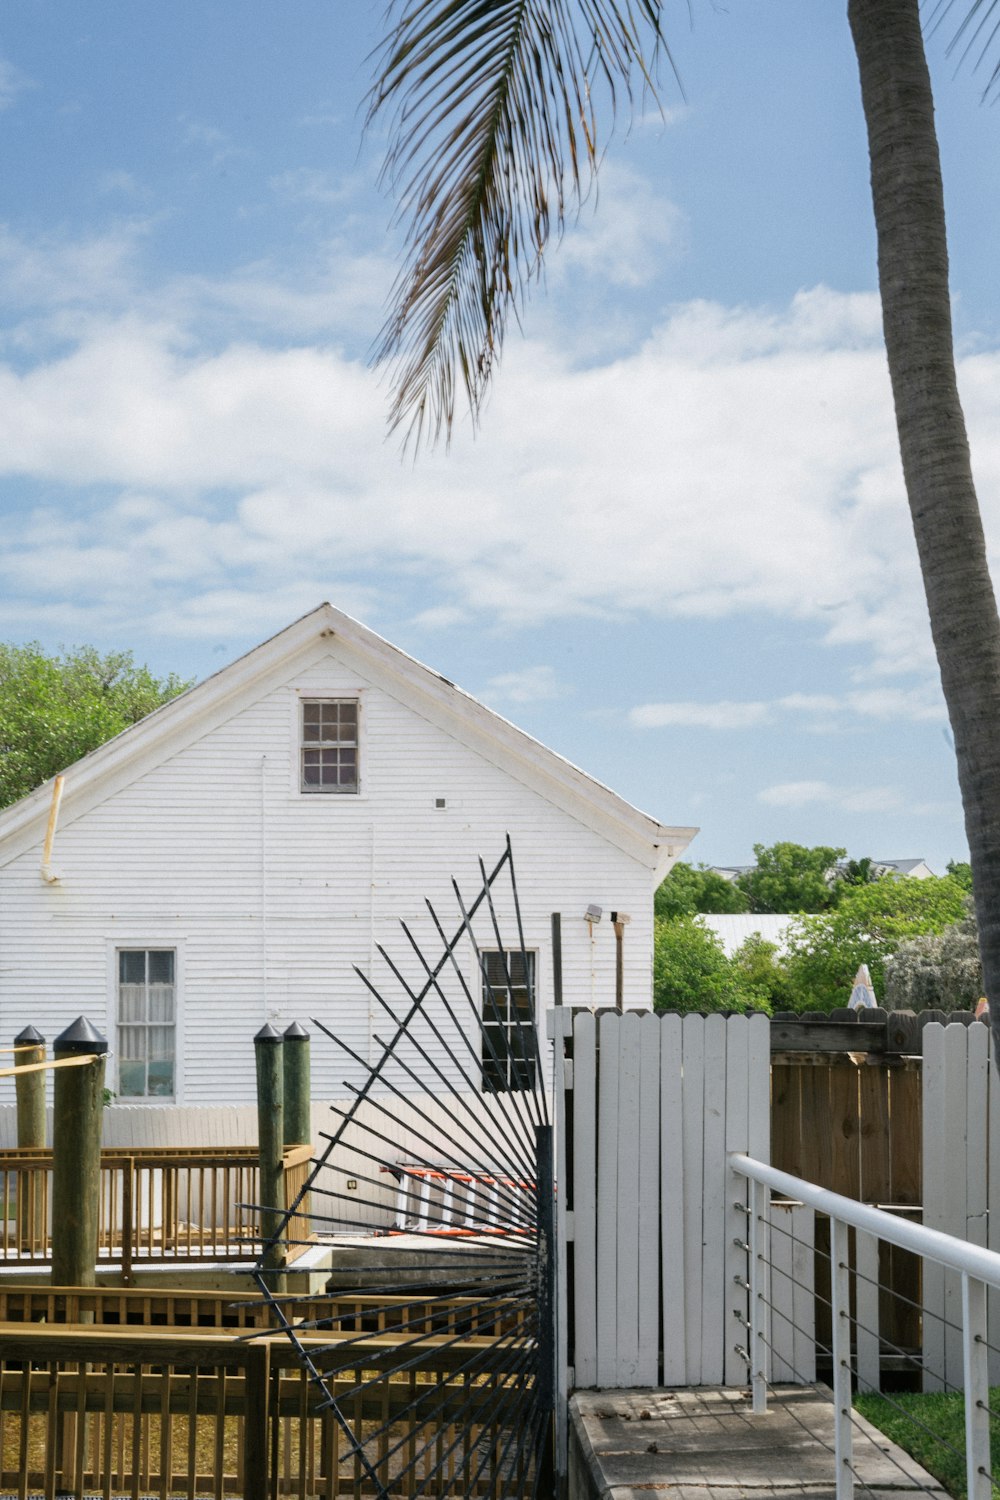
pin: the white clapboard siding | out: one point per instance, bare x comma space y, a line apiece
270, 898
655, 1104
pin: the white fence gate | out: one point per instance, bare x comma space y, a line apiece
647, 1108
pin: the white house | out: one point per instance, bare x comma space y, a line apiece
229, 859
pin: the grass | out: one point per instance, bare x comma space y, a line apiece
943, 1413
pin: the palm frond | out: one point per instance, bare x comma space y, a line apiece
978, 36
492, 137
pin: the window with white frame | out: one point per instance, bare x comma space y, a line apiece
508, 1040
147, 1022
329, 749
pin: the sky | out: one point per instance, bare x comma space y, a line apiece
677, 551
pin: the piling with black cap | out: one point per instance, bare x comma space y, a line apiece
298, 1114
30, 1088
76, 1154
269, 1053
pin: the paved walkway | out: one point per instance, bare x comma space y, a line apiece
707, 1445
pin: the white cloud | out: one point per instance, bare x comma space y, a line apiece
915, 705
624, 234
740, 462
846, 798
529, 685
13, 83
722, 715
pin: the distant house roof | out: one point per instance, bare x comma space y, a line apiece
916, 869
733, 928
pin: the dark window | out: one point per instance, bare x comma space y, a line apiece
509, 1041
329, 745
147, 1020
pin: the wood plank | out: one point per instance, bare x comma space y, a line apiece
804, 1302
735, 1232
825, 1036
977, 1134
934, 1168
845, 1130
993, 1221
674, 1301
629, 1147
608, 1105
584, 1203
956, 1050
759, 1089
782, 1287
713, 1203
693, 1107
875, 1165
648, 1154
866, 1264
786, 1116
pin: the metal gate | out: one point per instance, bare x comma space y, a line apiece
457, 1400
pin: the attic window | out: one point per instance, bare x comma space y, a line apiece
329, 750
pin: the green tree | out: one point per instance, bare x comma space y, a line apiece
961, 871
691, 971
938, 971
825, 949
493, 137
693, 888
790, 877
53, 709
759, 971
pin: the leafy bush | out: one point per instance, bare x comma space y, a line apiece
941, 971
867, 926
691, 971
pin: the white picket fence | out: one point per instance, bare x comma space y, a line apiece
961, 1169
651, 1105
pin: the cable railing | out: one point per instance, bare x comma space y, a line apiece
784, 1307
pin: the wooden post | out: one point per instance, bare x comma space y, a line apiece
30, 1089
256, 1422
269, 1049
298, 1112
76, 1156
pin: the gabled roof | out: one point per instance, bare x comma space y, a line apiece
144, 745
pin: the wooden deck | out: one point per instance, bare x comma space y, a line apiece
706, 1444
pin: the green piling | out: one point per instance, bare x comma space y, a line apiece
76, 1155
298, 1112
269, 1049
30, 1088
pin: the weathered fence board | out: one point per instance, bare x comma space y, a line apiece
650, 1198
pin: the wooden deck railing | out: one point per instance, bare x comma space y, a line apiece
142, 1411
343, 1312
156, 1205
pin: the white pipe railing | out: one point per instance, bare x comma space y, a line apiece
979, 1269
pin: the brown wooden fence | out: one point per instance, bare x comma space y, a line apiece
846, 1113
157, 1205
161, 1411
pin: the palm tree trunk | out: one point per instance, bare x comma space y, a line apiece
916, 314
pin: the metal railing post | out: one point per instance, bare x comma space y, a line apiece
757, 1238
977, 1417
840, 1303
